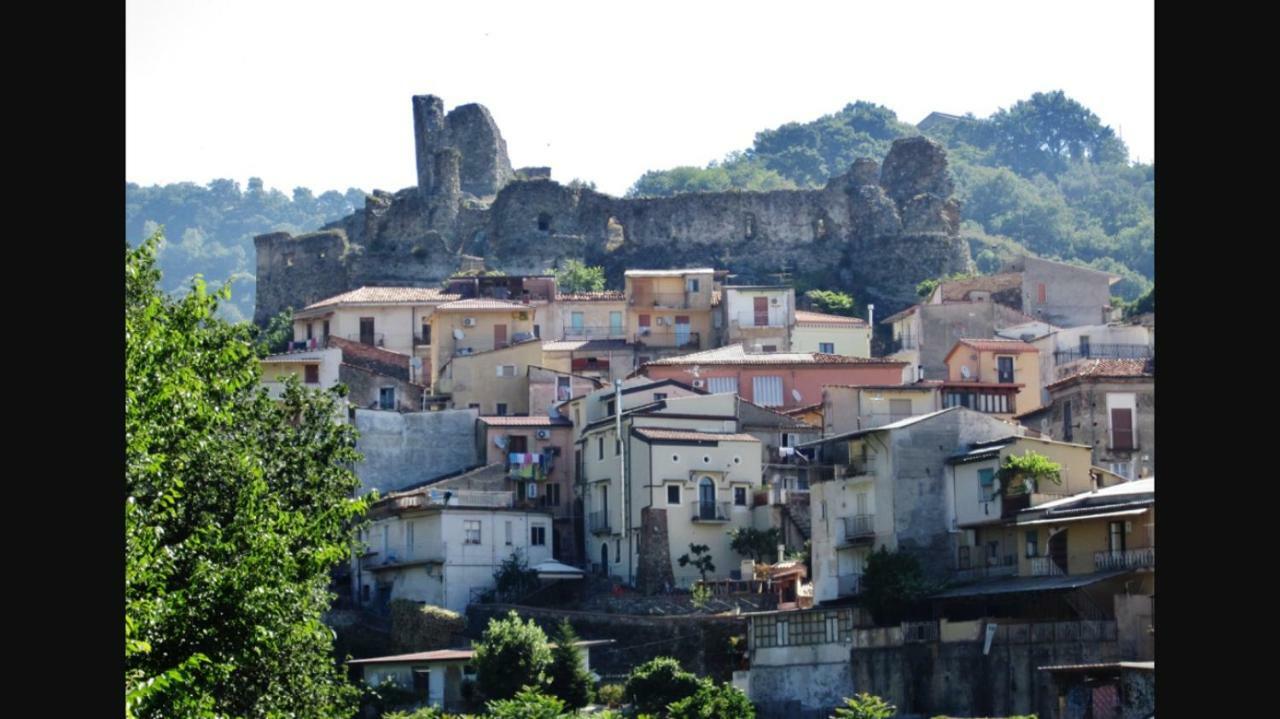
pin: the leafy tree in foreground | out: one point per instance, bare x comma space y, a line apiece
528, 703
576, 276
657, 683
236, 508
865, 706
701, 559
511, 656
570, 680
891, 582
713, 701
759, 544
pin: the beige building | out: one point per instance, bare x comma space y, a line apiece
995, 376
671, 310
831, 334
587, 316
605, 360
316, 368
466, 327
846, 408
495, 381
757, 316
687, 477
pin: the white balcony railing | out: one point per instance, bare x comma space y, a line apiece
1046, 567
859, 526
1144, 558
710, 511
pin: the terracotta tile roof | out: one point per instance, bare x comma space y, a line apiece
736, 355
605, 296
689, 435
1107, 368
386, 295
960, 289
922, 385
668, 273
821, 318
506, 421
998, 345
481, 304
899, 315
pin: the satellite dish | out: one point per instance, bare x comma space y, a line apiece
695, 371
457, 334
415, 362
964, 371
795, 394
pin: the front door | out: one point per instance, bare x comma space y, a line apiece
1058, 550
1004, 367
1084, 345
682, 330
761, 311
366, 330
706, 499
499, 336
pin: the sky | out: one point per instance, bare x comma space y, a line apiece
317, 93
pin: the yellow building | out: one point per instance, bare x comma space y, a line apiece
671, 309
831, 334
496, 381
467, 327
995, 376
587, 316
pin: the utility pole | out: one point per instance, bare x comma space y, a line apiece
622, 473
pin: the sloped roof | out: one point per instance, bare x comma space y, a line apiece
959, 289
386, 296
689, 435
1109, 368
736, 355
482, 304
537, 421
586, 346
823, 319
667, 273
604, 296
997, 345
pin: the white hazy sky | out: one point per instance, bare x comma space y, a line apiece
316, 93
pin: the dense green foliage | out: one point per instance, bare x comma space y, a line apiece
611, 695
891, 582
570, 680
1029, 465
700, 559
236, 509
512, 654
514, 579
657, 683
1044, 175
865, 706
713, 701
831, 302
213, 226
759, 544
528, 703
576, 276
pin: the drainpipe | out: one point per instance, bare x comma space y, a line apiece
622, 469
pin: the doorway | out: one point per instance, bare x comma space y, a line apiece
1058, 551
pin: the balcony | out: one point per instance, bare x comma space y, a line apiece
667, 300
900, 344
1103, 351
1046, 567
598, 522
376, 339
776, 319
848, 584
710, 511
655, 338
859, 529
1144, 558
594, 333
1006, 566
420, 341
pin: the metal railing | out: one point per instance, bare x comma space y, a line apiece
656, 338
1143, 558
419, 340
598, 522
377, 339
1046, 567
594, 333
1006, 566
859, 526
456, 498
669, 300
1102, 351
710, 511
776, 319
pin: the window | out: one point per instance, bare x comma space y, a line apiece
537, 331
993, 552
310, 326
313, 374
673, 494
767, 391
326, 329
544, 222
722, 385
615, 323
1066, 421
964, 558
1040, 295
827, 347
760, 311
1122, 428
506, 370
770, 348
507, 532
501, 409
617, 446
408, 539
599, 447
691, 284
659, 395
1033, 541
740, 496
986, 485
1084, 345
576, 321
1122, 469
426, 332
366, 330
1004, 369
612, 407
538, 536
471, 531
387, 398
617, 551
552, 496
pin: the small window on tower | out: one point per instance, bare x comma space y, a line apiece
544, 222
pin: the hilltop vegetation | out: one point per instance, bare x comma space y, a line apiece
1044, 175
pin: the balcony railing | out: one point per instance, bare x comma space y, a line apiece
908, 343
1102, 351
776, 319
849, 584
1006, 566
595, 333
668, 300
710, 511
859, 527
377, 339
1144, 558
655, 338
1046, 567
419, 340
598, 522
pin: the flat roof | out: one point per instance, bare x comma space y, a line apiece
1067, 668
667, 273
454, 654
1029, 584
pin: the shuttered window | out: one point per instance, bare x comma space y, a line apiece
1121, 428
719, 385
767, 391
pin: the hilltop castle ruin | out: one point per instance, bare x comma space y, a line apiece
877, 230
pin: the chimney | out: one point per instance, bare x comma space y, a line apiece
871, 317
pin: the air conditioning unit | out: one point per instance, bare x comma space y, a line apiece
468, 322
699, 383
644, 331
773, 301
543, 433
662, 321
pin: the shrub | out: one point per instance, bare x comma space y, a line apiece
755, 543
701, 559
865, 706
527, 704
700, 595
891, 583
419, 627
421, 713
570, 680
654, 685
610, 695
511, 655
713, 701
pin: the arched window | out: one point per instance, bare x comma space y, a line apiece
706, 498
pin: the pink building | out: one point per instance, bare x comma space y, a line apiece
772, 379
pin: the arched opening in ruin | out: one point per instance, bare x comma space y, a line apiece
750, 229
544, 221
821, 229
615, 234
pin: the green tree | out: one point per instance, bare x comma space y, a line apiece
701, 559
865, 706
277, 335
576, 276
657, 683
891, 583
1048, 131
512, 654
759, 544
570, 680
831, 302
1030, 465
236, 509
713, 701
528, 703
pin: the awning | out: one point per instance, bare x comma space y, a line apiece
1082, 517
551, 569
1029, 584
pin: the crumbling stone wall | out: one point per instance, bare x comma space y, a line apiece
877, 231
655, 572
418, 627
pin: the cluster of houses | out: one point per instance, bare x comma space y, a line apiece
612, 430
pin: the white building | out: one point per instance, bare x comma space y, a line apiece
759, 316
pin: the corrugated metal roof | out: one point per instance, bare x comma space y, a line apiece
1029, 584
688, 435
